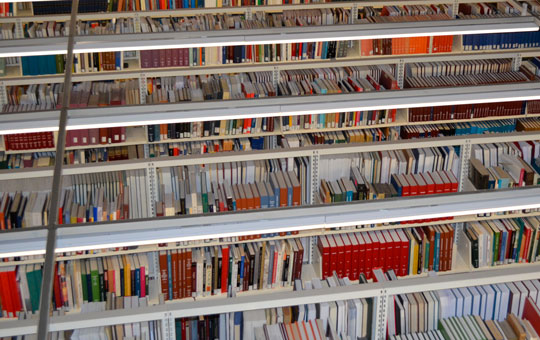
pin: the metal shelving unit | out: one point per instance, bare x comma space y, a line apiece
309, 220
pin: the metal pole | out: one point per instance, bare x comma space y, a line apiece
48, 269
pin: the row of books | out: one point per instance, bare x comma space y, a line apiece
315, 17
505, 165
380, 166
500, 41
247, 85
500, 242
405, 251
470, 80
208, 56
88, 198
457, 67
529, 124
423, 312
226, 269
457, 129
232, 186
12, 160
199, 88
468, 111
400, 46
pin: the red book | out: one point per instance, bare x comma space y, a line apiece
181, 273
413, 186
430, 184
103, 136
5, 294
376, 251
174, 266
340, 269
439, 184
142, 274
324, 250
405, 186
355, 253
187, 273
396, 241
347, 247
405, 248
56, 288
386, 251
531, 313
297, 189
333, 254
362, 257
453, 180
369, 253
300, 260
421, 184
256, 195
224, 268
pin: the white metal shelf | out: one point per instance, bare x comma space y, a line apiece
323, 150
278, 299
175, 229
166, 40
111, 116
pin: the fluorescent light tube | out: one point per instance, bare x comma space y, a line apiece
434, 215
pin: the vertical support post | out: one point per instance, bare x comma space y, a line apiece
314, 180
151, 187
465, 154
19, 32
167, 327
3, 93
354, 13
143, 88
516, 62
313, 190
400, 73
137, 23
380, 316
249, 13
455, 8
275, 78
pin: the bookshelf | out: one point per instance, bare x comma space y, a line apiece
380, 290
310, 221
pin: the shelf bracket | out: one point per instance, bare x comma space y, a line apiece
3, 93
465, 154
167, 327
151, 187
143, 88
400, 73
516, 62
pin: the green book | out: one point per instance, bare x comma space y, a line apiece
94, 279
83, 283
34, 289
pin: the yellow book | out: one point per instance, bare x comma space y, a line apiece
127, 276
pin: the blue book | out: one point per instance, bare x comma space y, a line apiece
271, 196
502, 252
169, 277
436, 251
238, 321
95, 213
398, 187
194, 329
137, 282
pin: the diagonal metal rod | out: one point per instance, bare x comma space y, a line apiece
50, 255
